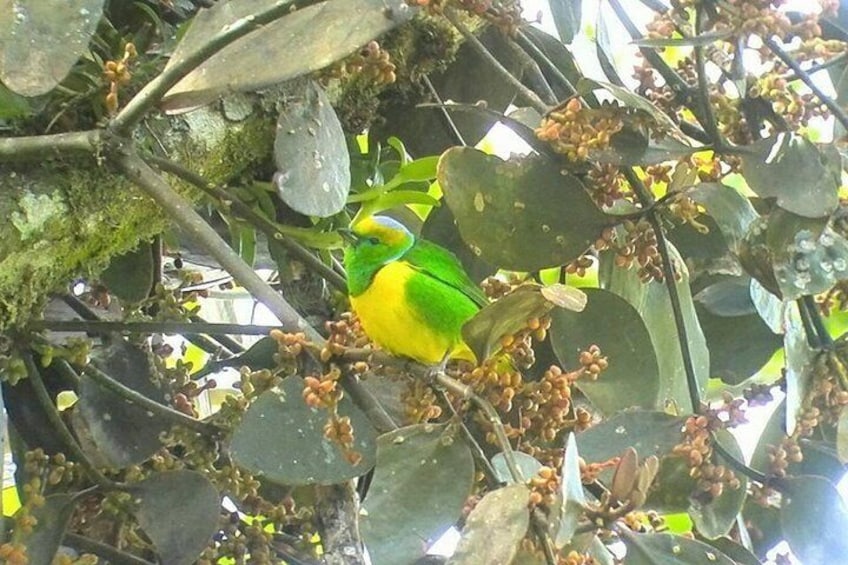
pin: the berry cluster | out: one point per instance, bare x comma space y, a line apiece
697, 450
117, 74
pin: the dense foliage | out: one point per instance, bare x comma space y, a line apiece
691, 189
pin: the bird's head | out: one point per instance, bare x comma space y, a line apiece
374, 241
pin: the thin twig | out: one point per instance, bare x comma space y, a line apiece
831, 104
709, 121
156, 89
265, 225
55, 419
168, 328
166, 412
532, 98
445, 114
823, 66
181, 211
111, 554
474, 445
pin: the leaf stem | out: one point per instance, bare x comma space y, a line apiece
156, 89
226, 200
445, 114
166, 412
709, 121
531, 97
55, 420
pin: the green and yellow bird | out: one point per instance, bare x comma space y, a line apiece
412, 296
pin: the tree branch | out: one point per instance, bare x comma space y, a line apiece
135, 169
170, 328
45, 146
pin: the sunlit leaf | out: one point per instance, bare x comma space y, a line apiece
512, 212
41, 40
179, 511
799, 358
566, 15
282, 439
732, 212
504, 511
296, 44
611, 323
423, 476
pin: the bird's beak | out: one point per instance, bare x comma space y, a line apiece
348, 235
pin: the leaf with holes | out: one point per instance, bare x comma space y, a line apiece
282, 439
513, 212
504, 511
179, 511
423, 476
296, 43
313, 165
790, 168
611, 323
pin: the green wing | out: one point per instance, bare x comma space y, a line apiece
443, 265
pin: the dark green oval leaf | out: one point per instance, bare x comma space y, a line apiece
424, 474
649, 433
791, 168
179, 511
731, 211
503, 512
512, 212
130, 276
528, 465
668, 549
282, 439
715, 518
611, 323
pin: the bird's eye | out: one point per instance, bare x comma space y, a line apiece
373, 240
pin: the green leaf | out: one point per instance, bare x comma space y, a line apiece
668, 549
701, 40
814, 520
296, 44
611, 323
394, 199
282, 439
504, 512
12, 105
124, 433
603, 48
528, 465
715, 518
649, 433
633, 146
652, 302
512, 212
310, 150
40, 41
53, 518
791, 169
566, 15
424, 474
508, 315
573, 498
763, 523
734, 550
772, 434
179, 511
799, 358
562, 58
731, 211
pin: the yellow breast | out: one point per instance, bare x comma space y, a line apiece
391, 322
